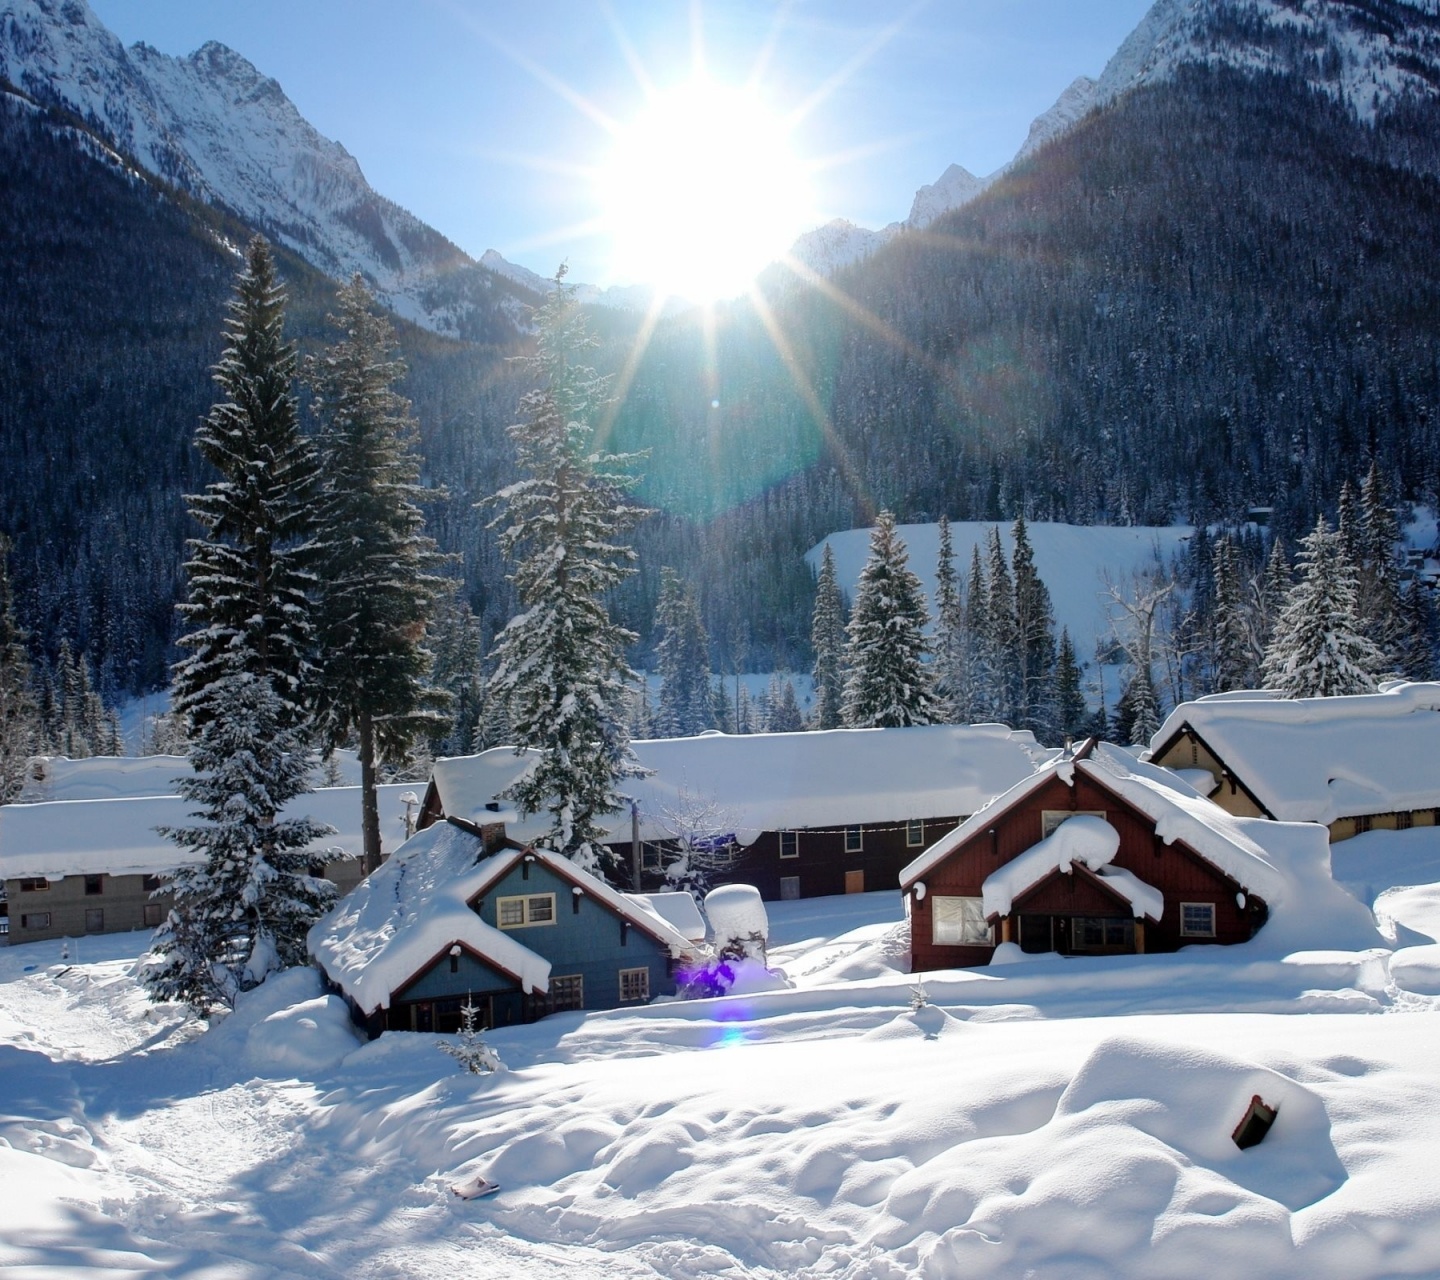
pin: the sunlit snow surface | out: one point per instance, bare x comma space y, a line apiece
1065, 1118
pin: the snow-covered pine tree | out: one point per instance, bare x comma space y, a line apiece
1419, 631
1035, 632
683, 656
560, 665
1269, 591
1378, 584
19, 714
1319, 647
455, 640
1070, 709
977, 640
889, 684
785, 715
243, 906
376, 568
953, 676
248, 577
827, 639
1231, 652
1137, 714
1002, 639
470, 1050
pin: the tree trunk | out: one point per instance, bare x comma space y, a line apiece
369, 804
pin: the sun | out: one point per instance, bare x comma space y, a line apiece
701, 191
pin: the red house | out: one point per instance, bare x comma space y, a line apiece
1096, 853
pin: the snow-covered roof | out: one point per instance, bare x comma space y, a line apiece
677, 909
59, 838
780, 781
128, 777
1320, 759
416, 906
1178, 811
1086, 839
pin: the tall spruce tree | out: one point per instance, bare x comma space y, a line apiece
889, 684
19, 712
375, 566
249, 576
1035, 634
1378, 582
977, 641
1070, 710
827, 639
683, 656
1002, 638
244, 901
1319, 647
560, 665
954, 677
1231, 651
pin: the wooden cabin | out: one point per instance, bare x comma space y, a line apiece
1352, 764
1151, 867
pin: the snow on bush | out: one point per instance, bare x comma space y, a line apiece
739, 926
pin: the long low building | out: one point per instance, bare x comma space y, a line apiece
806, 814
73, 867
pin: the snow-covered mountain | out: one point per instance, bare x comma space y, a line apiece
214, 126
1366, 53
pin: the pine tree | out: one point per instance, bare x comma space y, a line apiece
244, 907
785, 715
1070, 709
470, 1050
1232, 667
977, 641
1419, 631
1378, 584
889, 684
1270, 591
827, 638
1002, 639
1035, 634
1319, 648
455, 641
683, 656
248, 576
376, 568
1137, 714
19, 714
954, 678
561, 664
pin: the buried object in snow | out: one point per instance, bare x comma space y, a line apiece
1254, 1124
474, 1188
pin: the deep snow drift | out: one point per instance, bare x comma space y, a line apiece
1055, 1117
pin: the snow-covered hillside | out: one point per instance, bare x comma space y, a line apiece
1072, 560
1061, 1118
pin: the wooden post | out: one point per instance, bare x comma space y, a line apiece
1139, 937
635, 846
1004, 928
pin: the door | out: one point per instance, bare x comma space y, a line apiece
854, 882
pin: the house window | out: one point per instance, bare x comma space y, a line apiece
529, 909
94, 885
854, 840
1197, 919
151, 883
1099, 933
789, 888
567, 992
154, 914
35, 920
1363, 823
959, 922
915, 833
789, 844
37, 884
1052, 818
634, 985
94, 919
1404, 821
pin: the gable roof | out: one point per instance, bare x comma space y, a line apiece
779, 781
1320, 759
402, 917
1177, 810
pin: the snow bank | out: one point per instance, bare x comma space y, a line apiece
1321, 759
677, 909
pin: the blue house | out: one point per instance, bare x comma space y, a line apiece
518, 932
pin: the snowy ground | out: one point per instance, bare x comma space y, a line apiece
1057, 1118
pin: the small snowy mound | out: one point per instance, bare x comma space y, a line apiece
1008, 953
1417, 969
287, 1027
1192, 1100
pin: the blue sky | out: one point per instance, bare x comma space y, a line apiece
482, 118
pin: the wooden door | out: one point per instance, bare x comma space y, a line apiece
854, 882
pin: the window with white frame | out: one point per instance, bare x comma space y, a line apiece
789, 844
915, 833
525, 910
1052, 818
634, 985
854, 839
959, 922
34, 884
1197, 919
